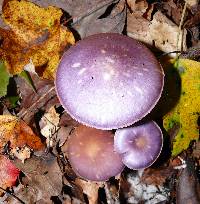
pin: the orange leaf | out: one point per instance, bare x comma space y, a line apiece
35, 34
18, 133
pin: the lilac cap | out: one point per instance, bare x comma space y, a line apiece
139, 145
109, 81
91, 154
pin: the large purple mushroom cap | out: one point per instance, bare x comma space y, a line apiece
139, 145
109, 81
91, 154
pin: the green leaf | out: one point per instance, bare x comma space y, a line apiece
13, 100
4, 79
182, 119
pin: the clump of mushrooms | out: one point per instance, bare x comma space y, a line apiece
109, 81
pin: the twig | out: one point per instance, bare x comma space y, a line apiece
21, 115
13, 195
181, 24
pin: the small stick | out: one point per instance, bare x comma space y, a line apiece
181, 23
21, 115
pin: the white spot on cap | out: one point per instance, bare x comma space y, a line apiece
145, 69
106, 76
139, 90
79, 81
129, 93
81, 71
121, 83
103, 51
77, 64
126, 74
110, 60
140, 73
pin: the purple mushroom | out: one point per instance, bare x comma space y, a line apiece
109, 81
140, 145
91, 154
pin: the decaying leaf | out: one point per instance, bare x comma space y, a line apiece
17, 133
4, 79
22, 153
96, 16
90, 189
49, 126
188, 189
185, 114
92, 22
157, 176
159, 32
8, 173
35, 34
42, 97
43, 179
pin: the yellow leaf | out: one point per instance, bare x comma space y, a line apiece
35, 33
17, 133
185, 114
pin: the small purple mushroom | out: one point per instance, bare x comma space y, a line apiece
109, 81
91, 154
139, 145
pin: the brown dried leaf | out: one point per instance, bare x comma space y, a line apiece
92, 23
43, 179
159, 32
18, 133
188, 189
86, 15
164, 34
32, 101
157, 176
90, 189
139, 28
49, 126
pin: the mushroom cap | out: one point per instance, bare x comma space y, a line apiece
109, 81
140, 145
91, 154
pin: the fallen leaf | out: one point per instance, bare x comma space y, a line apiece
17, 133
43, 179
92, 21
160, 32
8, 173
4, 79
35, 34
188, 189
90, 189
49, 126
22, 153
185, 114
90, 17
41, 98
164, 34
157, 176
139, 28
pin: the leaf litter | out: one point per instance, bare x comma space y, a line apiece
34, 34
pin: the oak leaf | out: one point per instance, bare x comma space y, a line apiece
17, 133
35, 34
